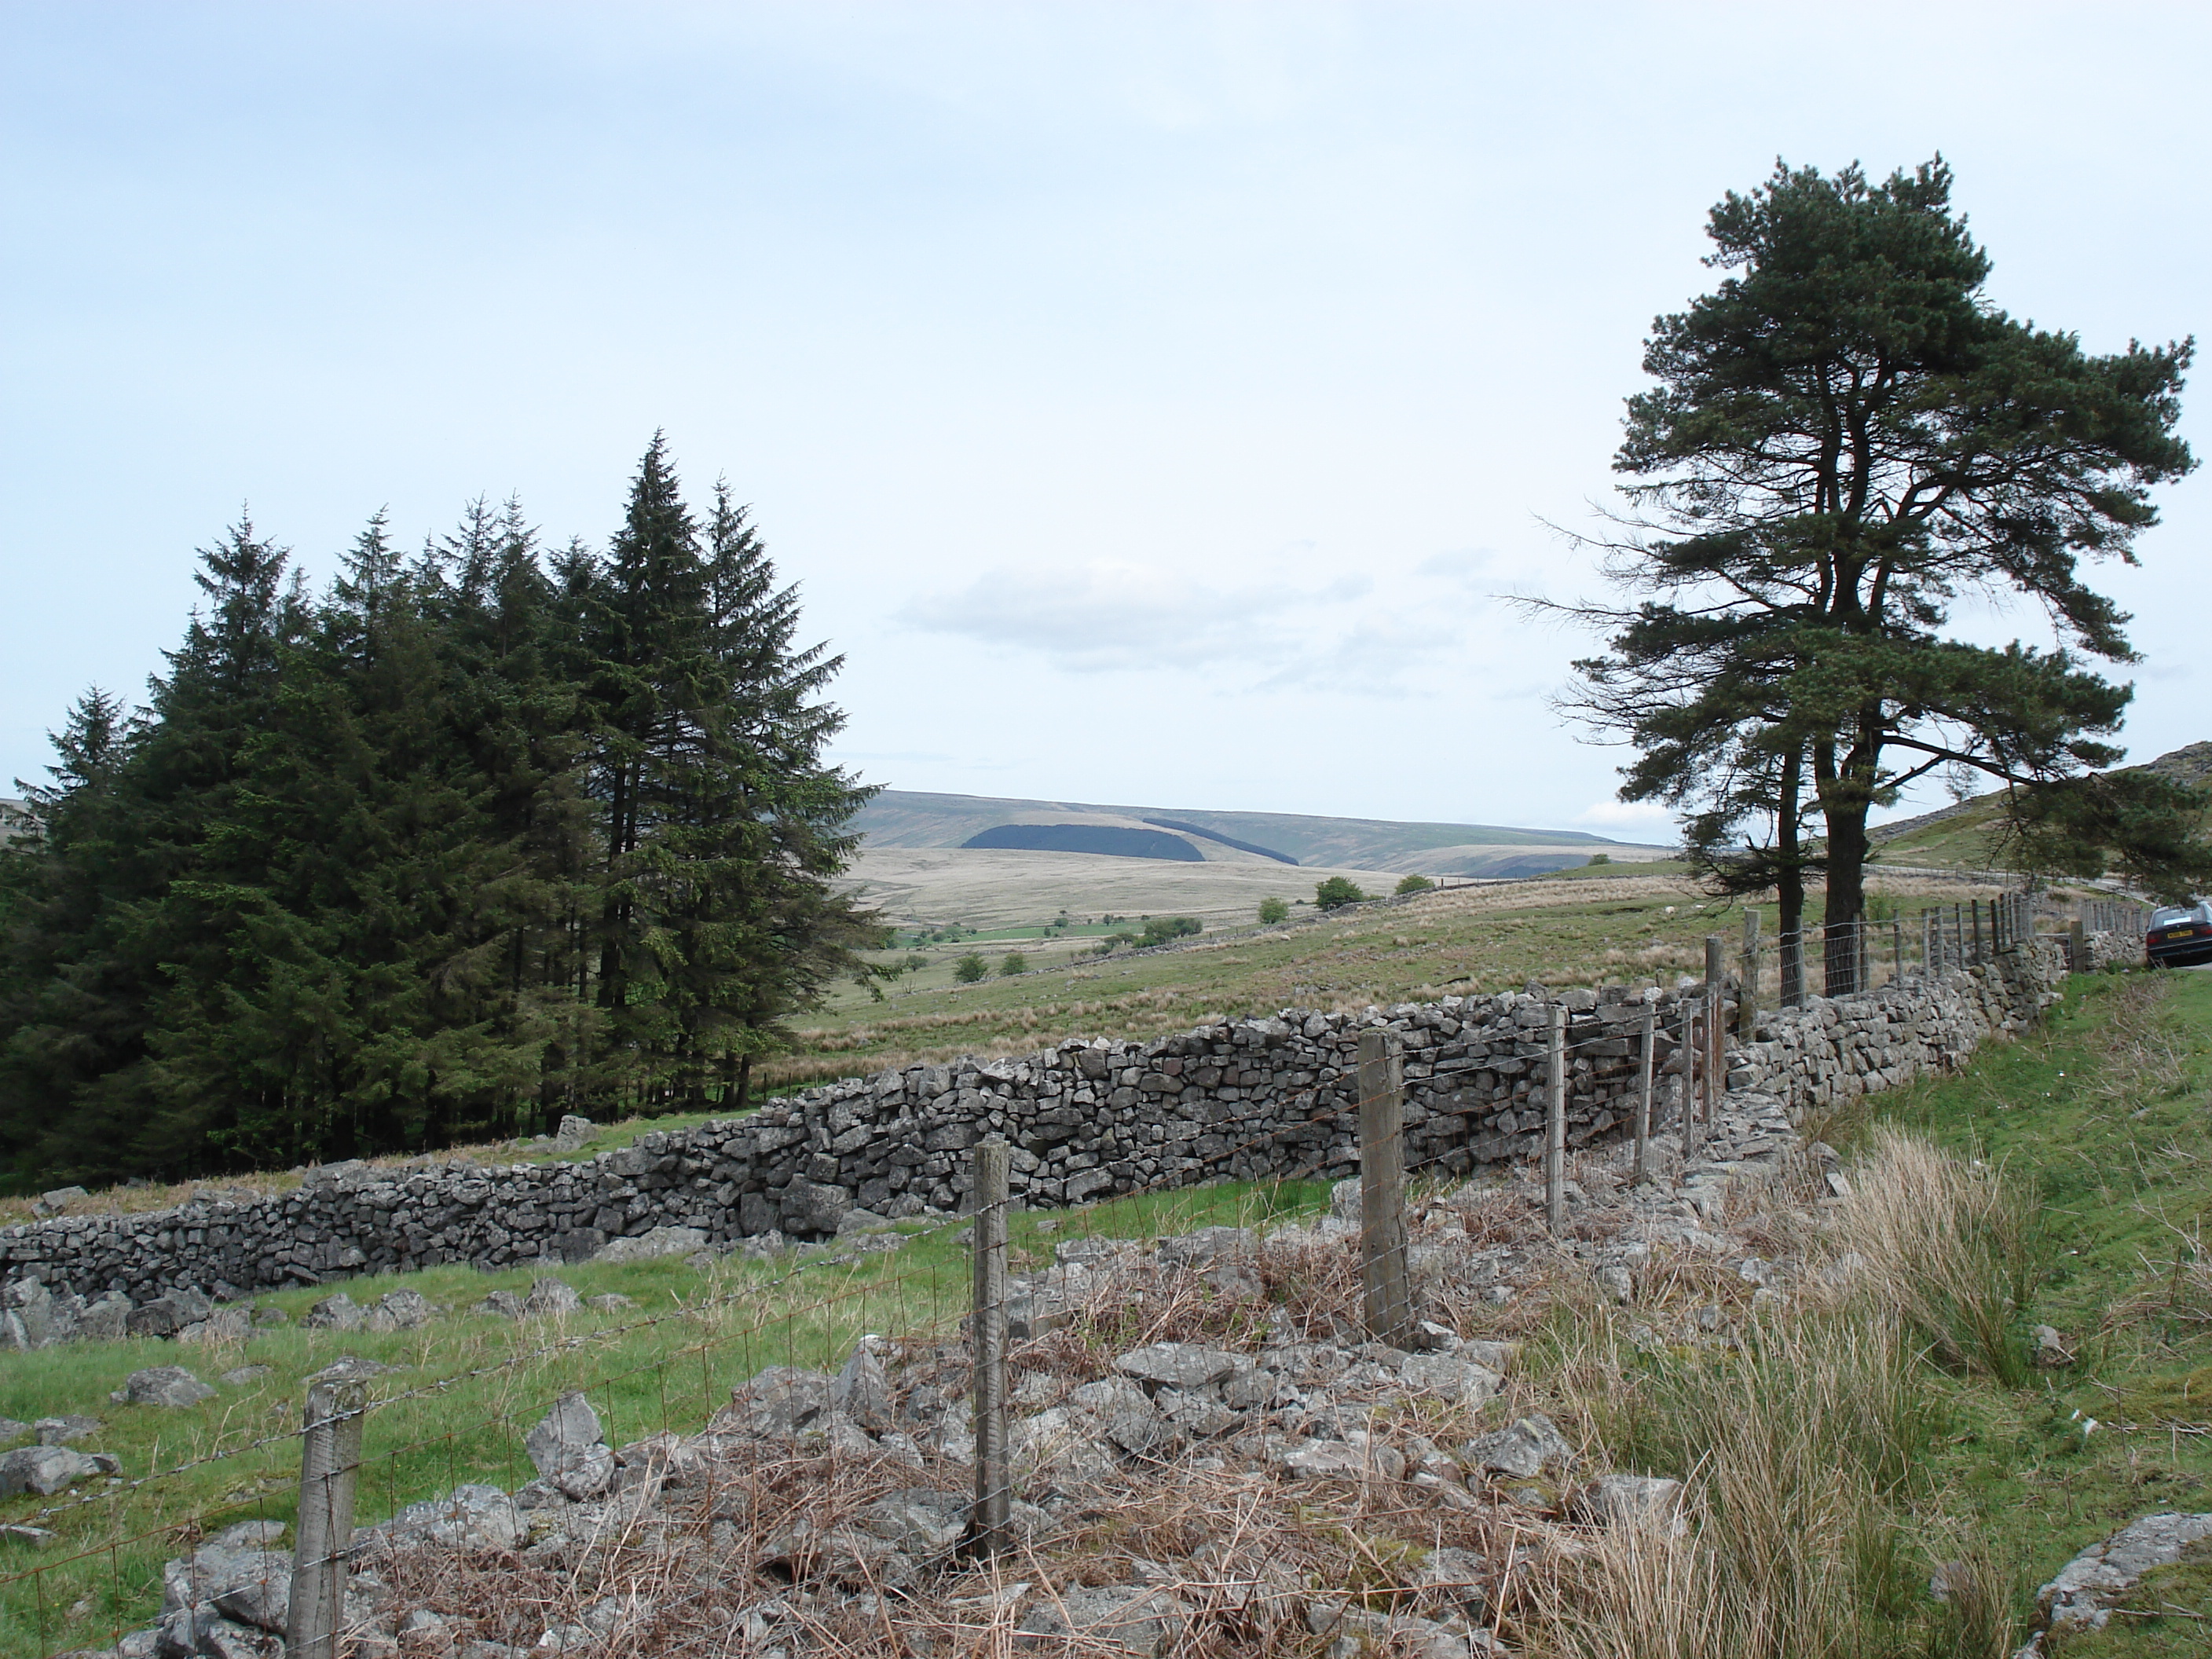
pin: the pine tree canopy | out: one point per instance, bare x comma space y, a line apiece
469, 839
1844, 441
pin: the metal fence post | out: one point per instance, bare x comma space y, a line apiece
988, 1332
1555, 1121
1644, 1095
330, 1467
1389, 1299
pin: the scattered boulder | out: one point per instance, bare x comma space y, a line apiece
920, 1522
335, 1313
1129, 1618
402, 1310
569, 1448
162, 1385
574, 1132
501, 1304
1642, 1502
11, 1430
59, 1199
473, 1517
660, 1241
45, 1470
609, 1302
1176, 1364
860, 1390
106, 1320
813, 1206
222, 1325
1451, 1375
2082, 1597
242, 1375
1522, 1450
552, 1299
164, 1316
782, 1402
65, 1431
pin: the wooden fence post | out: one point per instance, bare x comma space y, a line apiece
1555, 1122
1896, 948
1746, 1008
1383, 1273
1644, 1095
993, 1168
330, 1467
1686, 1056
1715, 1026
2077, 948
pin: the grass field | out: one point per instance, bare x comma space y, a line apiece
1606, 924
667, 1362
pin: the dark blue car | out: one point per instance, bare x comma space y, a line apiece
2179, 936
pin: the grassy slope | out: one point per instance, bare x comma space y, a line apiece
2105, 1112
667, 1363
1612, 924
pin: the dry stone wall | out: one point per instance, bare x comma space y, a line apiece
1244, 1098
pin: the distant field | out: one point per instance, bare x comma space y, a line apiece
1592, 926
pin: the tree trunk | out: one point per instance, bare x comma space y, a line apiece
1789, 882
1845, 910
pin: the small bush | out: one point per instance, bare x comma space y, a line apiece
1415, 885
1338, 891
970, 969
914, 963
1014, 962
1601, 857
1273, 910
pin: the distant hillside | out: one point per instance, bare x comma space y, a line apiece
1959, 837
911, 818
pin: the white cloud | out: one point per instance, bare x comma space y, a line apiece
1109, 616
1643, 819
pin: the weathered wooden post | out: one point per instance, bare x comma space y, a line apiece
993, 1167
1896, 948
2077, 948
1555, 1122
1383, 1273
1715, 1026
1747, 1007
330, 1467
1643, 1172
1686, 1111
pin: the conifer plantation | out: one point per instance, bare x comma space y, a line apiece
478, 837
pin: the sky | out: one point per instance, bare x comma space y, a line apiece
1155, 404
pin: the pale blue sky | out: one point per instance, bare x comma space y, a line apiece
1150, 398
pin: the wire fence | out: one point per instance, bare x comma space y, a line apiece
375, 1442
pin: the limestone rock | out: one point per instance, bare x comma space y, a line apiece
1451, 1375
45, 1470
1522, 1450
2082, 1596
1176, 1364
569, 1448
162, 1385
335, 1313
660, 1241
1640, 1501
474, 1517
552, 1299
782, 1402
1126, 1619
64, 1431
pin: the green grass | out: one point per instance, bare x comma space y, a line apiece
708, 1332
2103, 1116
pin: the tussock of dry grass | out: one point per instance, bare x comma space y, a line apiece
1953, 1247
